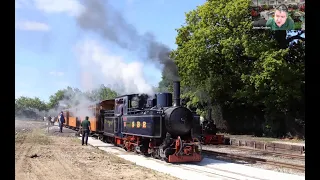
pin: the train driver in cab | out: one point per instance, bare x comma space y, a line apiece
101, 117
120, 106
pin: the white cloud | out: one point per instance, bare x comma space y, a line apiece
101, 67
56, 73
71, 7
22, 3
32, 26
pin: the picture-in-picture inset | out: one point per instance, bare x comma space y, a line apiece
278, 14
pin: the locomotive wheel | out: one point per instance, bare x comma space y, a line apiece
153, 155
135, 151
124, 147
100, 137
226, 141
165, 159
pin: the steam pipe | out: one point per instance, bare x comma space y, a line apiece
176, 93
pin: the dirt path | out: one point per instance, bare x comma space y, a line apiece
64, 158
26, 126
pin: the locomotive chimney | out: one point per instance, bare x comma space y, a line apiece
176, 93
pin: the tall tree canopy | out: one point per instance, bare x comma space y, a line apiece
223, 60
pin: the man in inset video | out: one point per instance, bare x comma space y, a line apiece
281, 19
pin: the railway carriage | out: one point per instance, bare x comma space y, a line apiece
74, 116
72, 121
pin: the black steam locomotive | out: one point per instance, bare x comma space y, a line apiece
152, 126
149, 126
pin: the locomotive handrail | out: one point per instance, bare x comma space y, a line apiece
108, 112
130, 109
135, 111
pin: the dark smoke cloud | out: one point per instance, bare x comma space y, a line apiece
100, 17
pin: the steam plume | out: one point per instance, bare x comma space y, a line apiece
100, 17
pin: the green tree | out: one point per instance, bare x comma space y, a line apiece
29, 107
101, 93
31, 103
72, 97
220, 55
165, 85
64, 98
55, 98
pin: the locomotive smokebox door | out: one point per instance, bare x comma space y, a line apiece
178, 120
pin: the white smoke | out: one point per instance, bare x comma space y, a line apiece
78, 102
98, 66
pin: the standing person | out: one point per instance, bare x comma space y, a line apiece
120, 105
49, 120
85, 128
61, 121
101, 118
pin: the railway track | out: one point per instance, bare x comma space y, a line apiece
216, 173
255, 160
272, 153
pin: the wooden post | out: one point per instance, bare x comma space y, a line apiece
254, 144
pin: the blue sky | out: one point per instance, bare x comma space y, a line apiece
52, 52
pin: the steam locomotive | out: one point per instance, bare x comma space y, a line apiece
152, 127
206, 132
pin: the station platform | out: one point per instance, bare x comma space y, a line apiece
206, 169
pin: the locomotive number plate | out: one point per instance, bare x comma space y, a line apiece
144, 124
